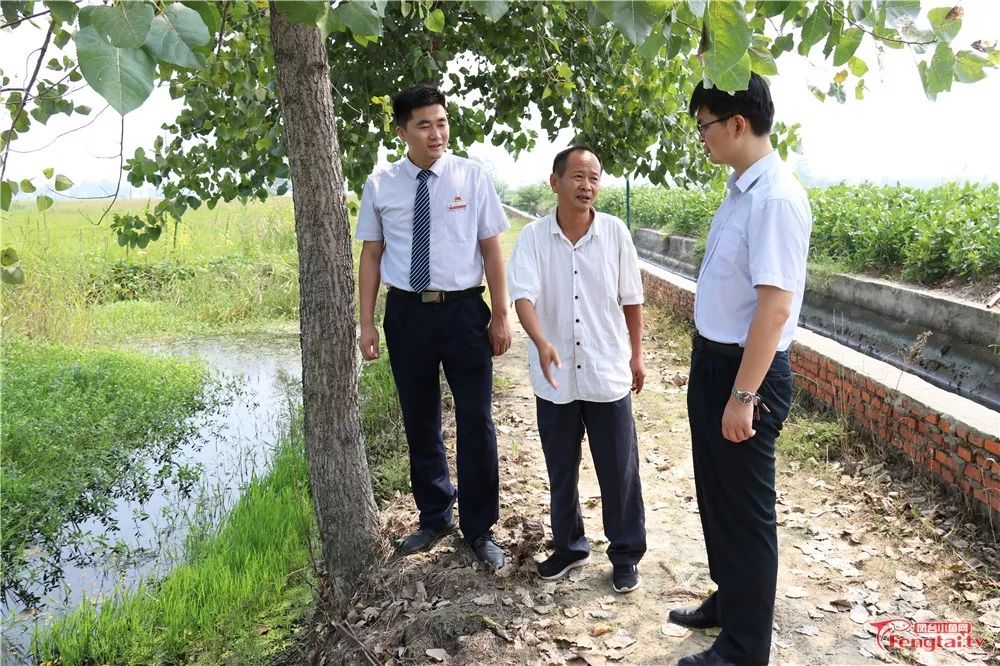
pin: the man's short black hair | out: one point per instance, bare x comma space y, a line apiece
754, 103
412, 98
559, 163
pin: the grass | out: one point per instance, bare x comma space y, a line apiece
80, 427
223, 271
238, 597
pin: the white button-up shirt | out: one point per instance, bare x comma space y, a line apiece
465, 209
578, 292
759, 236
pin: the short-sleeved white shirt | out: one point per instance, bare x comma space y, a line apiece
578, 292
465, 209
759, 236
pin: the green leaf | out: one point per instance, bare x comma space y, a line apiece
945, 22
209, 14
736, 77
857, 66
43, 202
12, 275
729, 37
815, 27
361, 17
27, 187
9, 257
969, 66
651, 47
634, 18
848, 44
174, 34
62, 10
762, 62
125, 24
902, 12
782, 44
63, 183
940, 74
435, 21
859, 90
6, 195
48, 172
493, 10
124, 77
302, 11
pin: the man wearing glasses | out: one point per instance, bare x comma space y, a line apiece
747, 303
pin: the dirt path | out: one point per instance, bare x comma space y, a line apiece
838, 567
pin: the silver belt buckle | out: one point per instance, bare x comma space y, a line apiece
431, 296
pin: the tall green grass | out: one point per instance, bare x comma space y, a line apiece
81, 426
228, 270
242, 587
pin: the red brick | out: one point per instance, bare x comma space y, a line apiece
995, 502
974, 473
993, 446
976, 439
947, 475
965, 454
945, 425
932, 419
921, 427
962, 431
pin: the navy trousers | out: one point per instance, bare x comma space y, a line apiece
422, 338
736, 498
611, 431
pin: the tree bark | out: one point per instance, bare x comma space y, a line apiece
338, 468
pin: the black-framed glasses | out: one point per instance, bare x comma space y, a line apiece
702, 128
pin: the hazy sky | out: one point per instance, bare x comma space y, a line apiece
895, 133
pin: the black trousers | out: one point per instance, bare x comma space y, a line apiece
421, 338
736, 499
611, 431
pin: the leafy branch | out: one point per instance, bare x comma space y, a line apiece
24, 97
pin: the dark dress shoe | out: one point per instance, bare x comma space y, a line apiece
702, 617
423, 539
706, 658
487, 551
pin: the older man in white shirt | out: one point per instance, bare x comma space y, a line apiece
747, 303
575, 281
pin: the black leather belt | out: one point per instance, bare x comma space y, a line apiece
702, 343
437, 296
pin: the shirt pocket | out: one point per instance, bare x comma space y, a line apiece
727, 253
459, 224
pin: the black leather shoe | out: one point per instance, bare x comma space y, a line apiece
487, 551
423, 539
706, 658
702, 617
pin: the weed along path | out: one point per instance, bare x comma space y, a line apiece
856, 546
258, 384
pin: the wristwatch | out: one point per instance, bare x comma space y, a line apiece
744, 397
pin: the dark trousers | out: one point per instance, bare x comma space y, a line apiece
421, 338
736, 498
611, 431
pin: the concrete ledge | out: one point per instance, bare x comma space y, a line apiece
954, 438
959, 342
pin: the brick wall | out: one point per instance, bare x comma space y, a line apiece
963, 457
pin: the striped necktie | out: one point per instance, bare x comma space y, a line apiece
420, 258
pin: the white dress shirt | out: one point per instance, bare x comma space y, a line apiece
759, 236
578, 292
465, 209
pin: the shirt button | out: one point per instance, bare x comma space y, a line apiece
576, 298
578, 343
578, 367
575, 272
578, 321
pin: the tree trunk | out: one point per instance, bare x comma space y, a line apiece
338, 468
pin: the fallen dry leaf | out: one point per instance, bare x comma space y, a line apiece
795, 592
620, 640
808, 630
674, 630
437, 654
599, 630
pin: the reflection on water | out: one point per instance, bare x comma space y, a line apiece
136, 540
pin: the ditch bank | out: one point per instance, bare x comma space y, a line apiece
951, 344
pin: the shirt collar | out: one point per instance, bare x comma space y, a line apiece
437, 168
753, 172
554, 224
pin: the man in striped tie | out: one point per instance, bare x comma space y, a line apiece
430, 225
